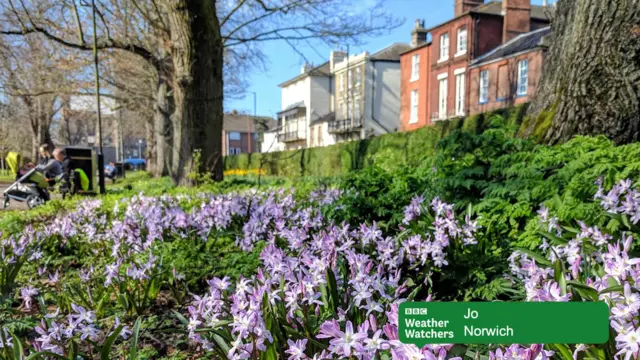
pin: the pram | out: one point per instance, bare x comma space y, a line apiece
29, 184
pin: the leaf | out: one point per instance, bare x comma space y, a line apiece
584, 290
180, 318
133, 353
537, 257
106, 347
563, 350
553, 237
18, 350
271, 353
559, 276
333, 290
616, 288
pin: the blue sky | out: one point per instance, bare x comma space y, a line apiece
284, 63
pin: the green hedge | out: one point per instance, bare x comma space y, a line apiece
387, 151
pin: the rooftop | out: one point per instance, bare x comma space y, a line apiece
519, 44
391, 52
240, 123
495, 8
320, 70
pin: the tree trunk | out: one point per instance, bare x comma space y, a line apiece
162, 126
198, 97
591, 79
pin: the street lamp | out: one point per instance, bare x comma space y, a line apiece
255, 97
140, 148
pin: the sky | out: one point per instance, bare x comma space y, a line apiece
284, 63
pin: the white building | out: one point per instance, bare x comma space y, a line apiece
347, 98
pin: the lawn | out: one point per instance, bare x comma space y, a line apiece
315, 268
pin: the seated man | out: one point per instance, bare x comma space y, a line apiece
110, 171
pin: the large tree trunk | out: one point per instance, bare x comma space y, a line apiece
197, 92
591, 79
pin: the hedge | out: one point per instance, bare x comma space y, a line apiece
387, 151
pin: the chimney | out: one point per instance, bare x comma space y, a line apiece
517, 18
337, 56
306, 68
419, 34
463, 6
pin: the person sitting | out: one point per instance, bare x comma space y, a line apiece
48, 165
110, 171
72, 178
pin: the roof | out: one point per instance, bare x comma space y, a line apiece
240, 123
519, 44
391, 52
416, 48
299, 104
495, 8
320, 70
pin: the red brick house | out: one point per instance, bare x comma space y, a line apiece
477, 30
241, 133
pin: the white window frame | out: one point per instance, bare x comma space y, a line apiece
460, 91
483, 88
349, 78
523, 77
415, 67
342, 81
443, 93
358, 77
235, 151
232, 136
413, 118
462, 32
444, 47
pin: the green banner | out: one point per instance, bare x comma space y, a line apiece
423, 323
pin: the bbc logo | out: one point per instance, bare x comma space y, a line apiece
415, 311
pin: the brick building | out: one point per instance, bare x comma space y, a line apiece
473, 37
241, 133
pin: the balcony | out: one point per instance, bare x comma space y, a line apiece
289, 136
344, 126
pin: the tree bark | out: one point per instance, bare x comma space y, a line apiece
591, 78
198, 88
163, 126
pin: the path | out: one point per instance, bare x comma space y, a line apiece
13, 205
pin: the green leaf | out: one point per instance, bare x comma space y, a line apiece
616, 288
180, 318
537, 257
559, 276
133, 353
108, 343
563, 350
584, 290
332, 285
18, 350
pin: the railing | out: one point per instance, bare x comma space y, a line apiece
344, 125
290, 136
436, 116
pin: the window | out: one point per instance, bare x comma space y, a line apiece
356, 108
484, 87
414, 107
462, 41
358, 77
415, 67
349, 77
523, 77
460, 94
442, 99
320, 135
234, 151
342, 82
234, 136
342, 111
444, 47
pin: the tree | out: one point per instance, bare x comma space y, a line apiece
32, 73
196, 35
591, 79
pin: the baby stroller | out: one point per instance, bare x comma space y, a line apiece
29, 186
